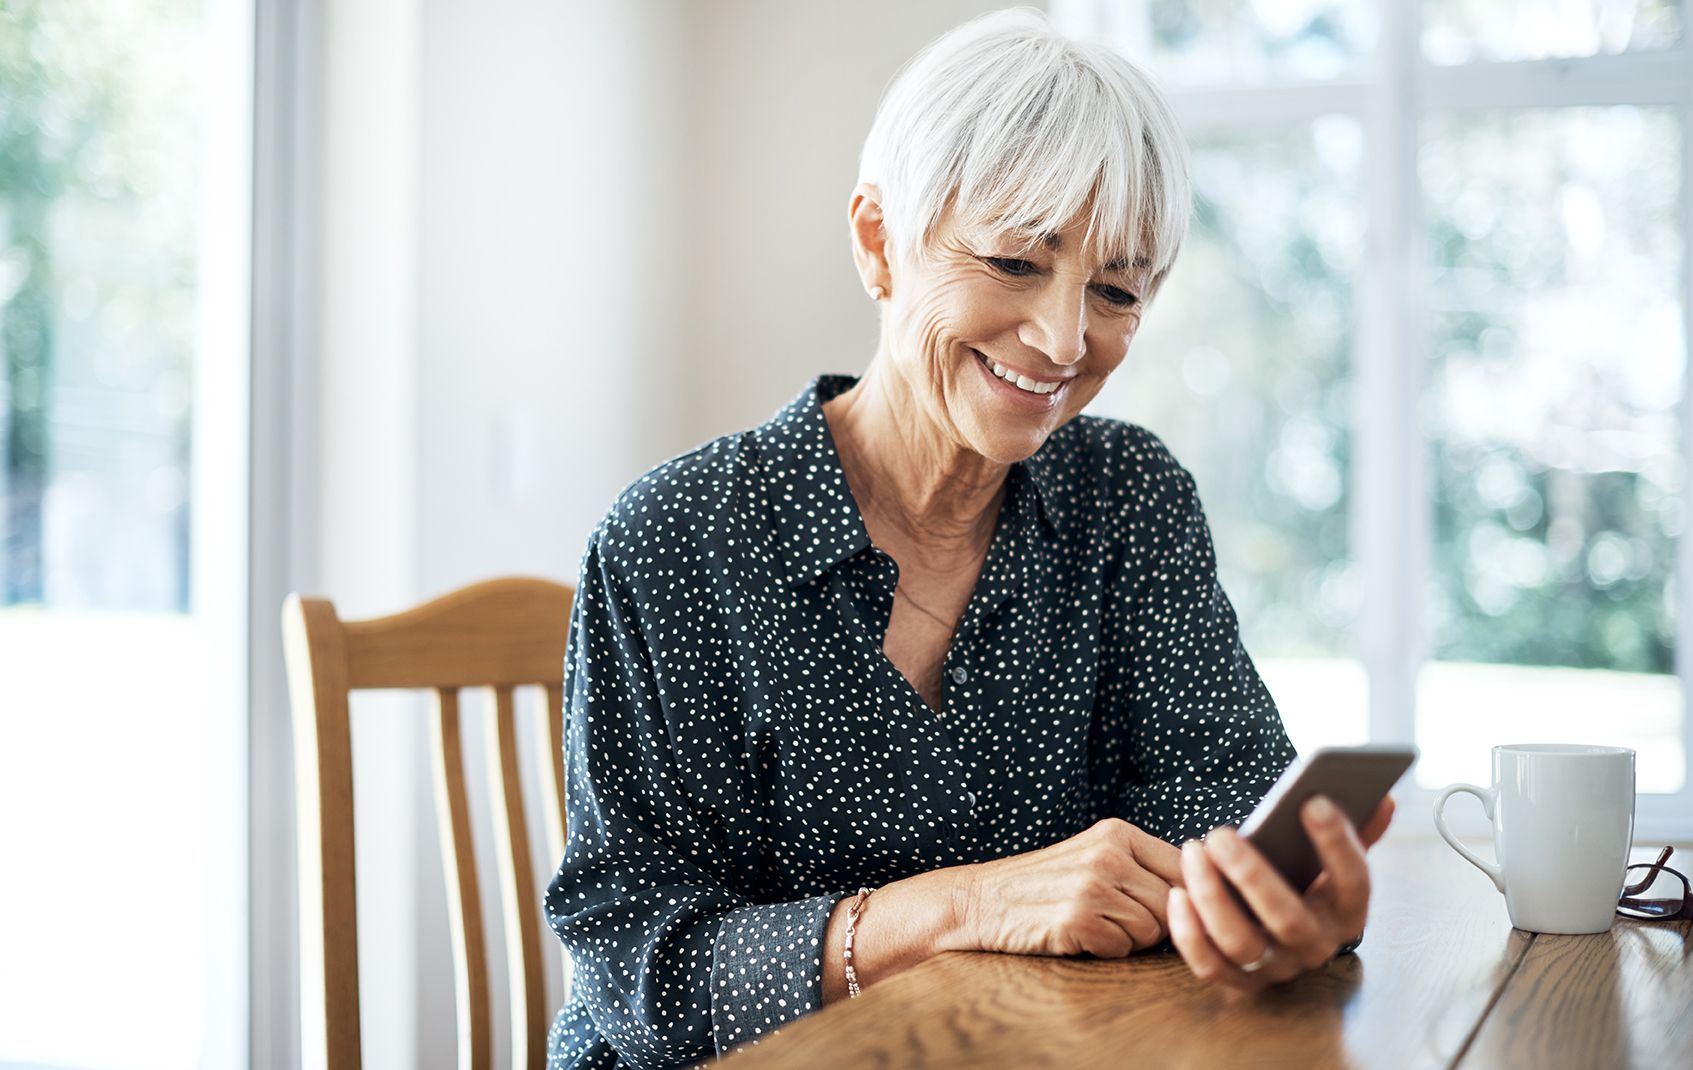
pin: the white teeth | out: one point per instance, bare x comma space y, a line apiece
1022, 382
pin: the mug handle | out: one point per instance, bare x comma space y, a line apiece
1487, 797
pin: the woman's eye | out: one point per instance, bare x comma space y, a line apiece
1007, 265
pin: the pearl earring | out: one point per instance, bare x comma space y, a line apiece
876, 293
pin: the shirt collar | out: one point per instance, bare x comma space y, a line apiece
816, 519
1037, 472
817, 522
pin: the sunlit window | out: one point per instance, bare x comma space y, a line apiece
1458, 31
124, 215
1506, 178
1243, 368
1209, 41
1553, 411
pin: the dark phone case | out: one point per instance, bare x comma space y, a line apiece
1356, 780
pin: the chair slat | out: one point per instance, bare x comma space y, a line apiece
549, 751
464, 900
323, 789
524, 950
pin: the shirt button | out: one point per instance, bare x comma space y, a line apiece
970, 799
959, 675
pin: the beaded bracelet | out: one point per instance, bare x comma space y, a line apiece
846, 952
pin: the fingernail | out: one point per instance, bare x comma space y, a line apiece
1322, 809
1225, 841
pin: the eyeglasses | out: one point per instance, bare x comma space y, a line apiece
1655, 892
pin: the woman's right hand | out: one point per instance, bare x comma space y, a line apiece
1102, 891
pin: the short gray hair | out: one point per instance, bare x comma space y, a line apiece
1017, 127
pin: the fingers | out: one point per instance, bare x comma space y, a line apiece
1163, 859
1376, 826
1142, 926
1141, 867
1216, 935
1148, 892
1103, 937
1280, 910
1343, 861
1110, 924
1187, 932
1238, 937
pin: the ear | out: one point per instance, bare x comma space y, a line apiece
869, 237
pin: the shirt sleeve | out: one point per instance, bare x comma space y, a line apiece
672, 957
1205, 741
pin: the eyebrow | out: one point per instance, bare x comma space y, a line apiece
1054, 242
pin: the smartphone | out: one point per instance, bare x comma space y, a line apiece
1356, 779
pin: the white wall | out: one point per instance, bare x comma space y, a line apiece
559, 242
493, 199
550, 268
781, 97
367, 481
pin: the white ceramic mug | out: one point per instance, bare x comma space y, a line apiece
1563, 821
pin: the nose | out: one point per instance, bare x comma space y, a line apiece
1057, 325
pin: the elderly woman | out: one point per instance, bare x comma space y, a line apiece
930, 659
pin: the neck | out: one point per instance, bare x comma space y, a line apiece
910, 476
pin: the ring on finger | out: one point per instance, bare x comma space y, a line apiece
1261, 961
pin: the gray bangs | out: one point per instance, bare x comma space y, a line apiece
1021, 131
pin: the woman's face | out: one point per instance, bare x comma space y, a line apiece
983, 312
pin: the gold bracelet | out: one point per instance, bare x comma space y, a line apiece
846, 952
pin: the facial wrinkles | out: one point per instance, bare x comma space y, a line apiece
926, 363
1060, 270
935, 344
960, 303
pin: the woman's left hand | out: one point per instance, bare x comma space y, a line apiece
1221, 942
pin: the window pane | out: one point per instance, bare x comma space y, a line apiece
124, 275
1222, 41
97, 242
1553, 410
1460, 31
1242, 367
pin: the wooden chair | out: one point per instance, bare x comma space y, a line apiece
499, 635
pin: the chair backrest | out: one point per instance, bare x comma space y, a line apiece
498, 635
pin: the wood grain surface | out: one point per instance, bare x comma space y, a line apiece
1437, 982
1617, 999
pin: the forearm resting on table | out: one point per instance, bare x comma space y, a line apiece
901, 925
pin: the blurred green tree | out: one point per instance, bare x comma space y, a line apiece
52, 112
98, 131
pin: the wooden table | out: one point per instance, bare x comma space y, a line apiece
1441, 980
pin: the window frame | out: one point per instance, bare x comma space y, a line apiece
1392, 511
283, 513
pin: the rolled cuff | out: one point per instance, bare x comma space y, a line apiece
767, 968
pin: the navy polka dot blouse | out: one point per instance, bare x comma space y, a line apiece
740, 754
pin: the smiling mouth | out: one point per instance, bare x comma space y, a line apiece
1021, 382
